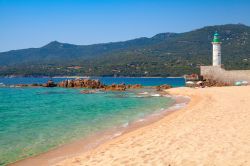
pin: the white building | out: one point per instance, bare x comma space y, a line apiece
217, 73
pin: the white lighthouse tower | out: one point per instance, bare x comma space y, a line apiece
216, 50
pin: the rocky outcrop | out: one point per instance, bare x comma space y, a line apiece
207, 83
21, 85
211, 83
88, 91
135, 86
121, 87
50, 83
115, 87
81, 83
162, 87
35, 84
86, 83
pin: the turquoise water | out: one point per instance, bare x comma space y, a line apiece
34, 120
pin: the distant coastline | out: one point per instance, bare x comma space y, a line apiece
83, 77
144, 81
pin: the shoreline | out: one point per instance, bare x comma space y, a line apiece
212, 130
84, 145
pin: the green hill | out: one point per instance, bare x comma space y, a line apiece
165, 54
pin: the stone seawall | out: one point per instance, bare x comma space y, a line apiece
222, 75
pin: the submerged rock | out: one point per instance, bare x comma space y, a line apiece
20, 85
88, 91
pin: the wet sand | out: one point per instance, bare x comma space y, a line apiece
214, 129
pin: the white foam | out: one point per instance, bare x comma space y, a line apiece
2, 84
155, 95
140, 120
167, 95
177, 96
143, 93
156, 114
178, 106
117, 134
125, 124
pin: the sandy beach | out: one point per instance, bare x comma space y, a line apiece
214, 129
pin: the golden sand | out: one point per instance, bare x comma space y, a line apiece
214, 129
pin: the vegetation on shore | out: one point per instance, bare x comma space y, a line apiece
165, 54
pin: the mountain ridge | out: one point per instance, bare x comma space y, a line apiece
164, 54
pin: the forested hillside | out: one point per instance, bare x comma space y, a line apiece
165, 54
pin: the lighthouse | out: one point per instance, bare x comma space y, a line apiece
216, 50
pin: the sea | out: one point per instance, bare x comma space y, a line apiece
34, 120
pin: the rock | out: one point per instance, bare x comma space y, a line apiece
50, 83
88, 91
96, 84
213, 83
162, 87
22, 85
136, 86
115, 87
35, 84
81, 83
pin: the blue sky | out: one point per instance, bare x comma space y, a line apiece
34, 23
